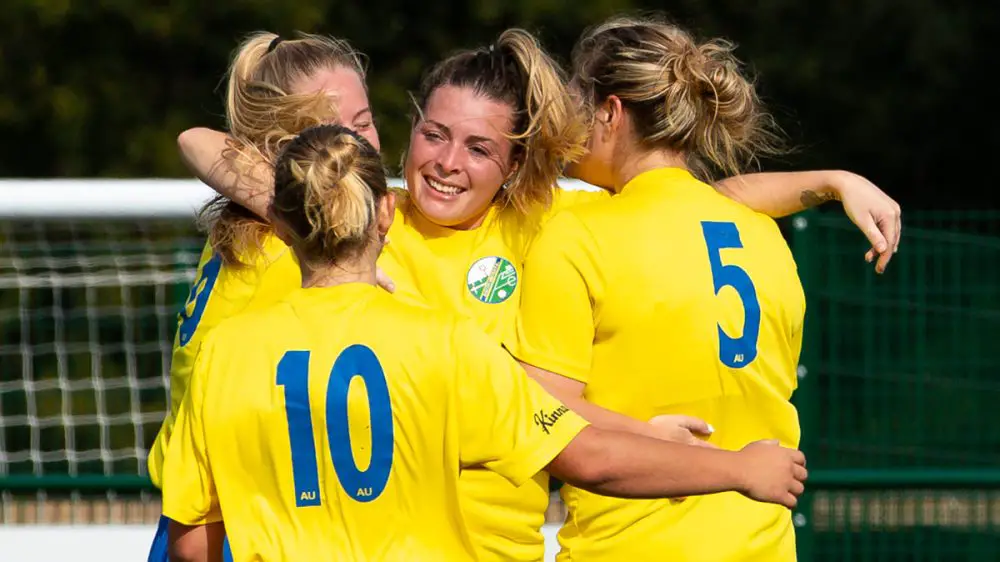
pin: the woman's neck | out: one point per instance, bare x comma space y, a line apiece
636, 162
361, 270
469, 224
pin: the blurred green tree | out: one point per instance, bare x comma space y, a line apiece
883, 87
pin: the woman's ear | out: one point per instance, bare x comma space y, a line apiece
386, 213
615, 113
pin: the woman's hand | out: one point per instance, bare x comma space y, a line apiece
688, 430
875, 213
382, 280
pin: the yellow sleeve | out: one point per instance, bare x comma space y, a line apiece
508, 423
554, 329
189, 494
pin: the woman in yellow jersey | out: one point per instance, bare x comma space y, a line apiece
667, 297
480, 181
274, 89
334, 424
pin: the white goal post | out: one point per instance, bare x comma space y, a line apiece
121, 198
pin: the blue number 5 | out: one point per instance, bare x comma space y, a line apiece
293, 374
200, 291
733, 352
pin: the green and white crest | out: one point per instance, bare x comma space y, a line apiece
492, 279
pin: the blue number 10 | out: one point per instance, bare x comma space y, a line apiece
293, 375
733, 352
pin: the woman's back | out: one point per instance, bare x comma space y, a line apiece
362, 412
696, 309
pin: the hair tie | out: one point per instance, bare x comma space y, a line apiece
274, 43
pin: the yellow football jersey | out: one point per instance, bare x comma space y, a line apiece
670, 299
218, 293
476, 274
335, 425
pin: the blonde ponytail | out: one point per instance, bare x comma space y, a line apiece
262, 115
338, 204
328, 183
554, 135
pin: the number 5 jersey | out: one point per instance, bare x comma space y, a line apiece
669, 298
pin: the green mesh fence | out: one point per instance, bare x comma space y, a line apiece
898, 391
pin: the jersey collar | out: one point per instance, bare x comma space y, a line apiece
656, 178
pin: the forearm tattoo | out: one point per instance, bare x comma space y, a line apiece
811, 199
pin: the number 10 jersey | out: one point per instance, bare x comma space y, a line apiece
334, 426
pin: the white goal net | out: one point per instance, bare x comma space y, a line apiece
91, 277
92, 274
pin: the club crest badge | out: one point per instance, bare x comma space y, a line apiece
492, 280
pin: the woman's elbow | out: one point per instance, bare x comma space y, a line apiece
188, 139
